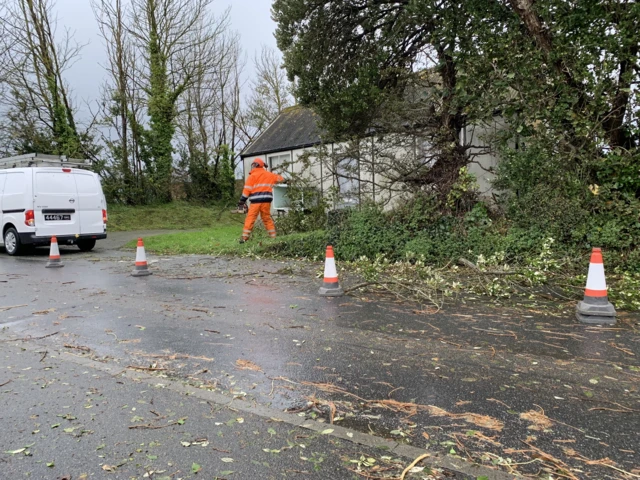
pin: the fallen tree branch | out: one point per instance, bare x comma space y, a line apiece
473, 266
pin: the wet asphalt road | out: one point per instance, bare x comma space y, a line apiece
513, 387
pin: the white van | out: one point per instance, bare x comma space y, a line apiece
42, 196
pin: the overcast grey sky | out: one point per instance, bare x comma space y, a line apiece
250, 18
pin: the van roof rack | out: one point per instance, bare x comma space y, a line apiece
42, 160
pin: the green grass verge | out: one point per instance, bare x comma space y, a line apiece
217, 231
172, 216
223, 239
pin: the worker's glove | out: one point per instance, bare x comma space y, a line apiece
241, 205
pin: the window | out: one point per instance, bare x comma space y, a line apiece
348, 181
280, 164
425, 153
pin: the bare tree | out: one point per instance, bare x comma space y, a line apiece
271, 90
41, 116
5, 45
205, 124
122, 108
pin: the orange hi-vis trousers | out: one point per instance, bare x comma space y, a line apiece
264, 210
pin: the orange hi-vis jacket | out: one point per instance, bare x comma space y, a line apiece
259, 186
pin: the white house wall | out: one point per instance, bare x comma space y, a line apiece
484, 163
483, 168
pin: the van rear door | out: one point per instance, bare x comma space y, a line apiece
56, 202
3, 177
90, 202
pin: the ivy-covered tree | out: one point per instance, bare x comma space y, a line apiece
166, 32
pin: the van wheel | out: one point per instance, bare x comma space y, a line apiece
86, 245
12, 243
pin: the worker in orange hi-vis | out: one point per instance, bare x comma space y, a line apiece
258, 189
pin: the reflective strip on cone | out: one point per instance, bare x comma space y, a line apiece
141, 257
330, 272
141, 269
54, 255
596, 283
54, 252
331, 286
596, 308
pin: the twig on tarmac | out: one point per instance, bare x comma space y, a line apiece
3, 384
154, 427
220, 450
110, 332
78, 347
497, 334
331, 388
284, 379
4, 309
360, 285
498, 401
413, 464
45, 355
367, 476
550, 459
625, 350
148, 369
399, 388
612, 410
39, 338
182, 278
610, 403
29, 338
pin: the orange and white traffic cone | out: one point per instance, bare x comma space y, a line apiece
141, 269
331, 286
54, 255
595, 308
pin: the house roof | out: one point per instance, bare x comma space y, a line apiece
296, 127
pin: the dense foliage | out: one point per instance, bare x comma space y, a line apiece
562, 77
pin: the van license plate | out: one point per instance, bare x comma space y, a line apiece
57, 217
